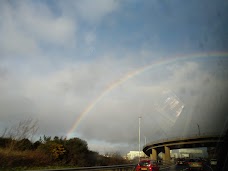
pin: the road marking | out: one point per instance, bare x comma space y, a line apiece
184, 169
171, 166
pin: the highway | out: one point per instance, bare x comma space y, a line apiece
181, 168
173, 168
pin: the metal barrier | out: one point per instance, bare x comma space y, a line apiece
126, 167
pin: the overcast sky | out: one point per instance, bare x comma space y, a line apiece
90, 68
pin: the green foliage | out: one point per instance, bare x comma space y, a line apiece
53, 149
24, 144
76, 145
4, 142
17, 151
57, 151
36, 145
92, 158
77, 151
22, 158
52, 152
45, 139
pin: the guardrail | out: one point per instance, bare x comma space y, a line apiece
126, 167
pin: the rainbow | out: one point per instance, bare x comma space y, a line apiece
136, 72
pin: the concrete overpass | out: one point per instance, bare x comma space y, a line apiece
154, 148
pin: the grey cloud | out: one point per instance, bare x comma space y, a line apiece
25, 26
14, 41
58, 98
57, 84
3, 73
90, 11
115, 117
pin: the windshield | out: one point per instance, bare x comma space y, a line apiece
126, 79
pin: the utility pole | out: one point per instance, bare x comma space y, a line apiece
145, 139
139, 136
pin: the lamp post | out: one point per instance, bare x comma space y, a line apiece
145, 139
198, 128
139, 135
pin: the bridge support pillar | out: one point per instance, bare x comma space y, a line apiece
167, 153
163, 156
154, 154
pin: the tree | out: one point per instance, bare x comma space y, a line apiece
24, 144
92, 158
36, 145
4, 142
25, 129
77, 150
53, 149
45, 139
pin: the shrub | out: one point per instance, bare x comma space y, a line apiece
11, 159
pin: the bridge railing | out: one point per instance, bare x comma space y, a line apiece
203, 135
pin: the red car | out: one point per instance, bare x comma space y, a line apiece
148, 165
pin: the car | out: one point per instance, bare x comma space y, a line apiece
195, 164
148, 165
213, 162
181, 161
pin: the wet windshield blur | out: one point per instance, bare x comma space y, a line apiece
113, 77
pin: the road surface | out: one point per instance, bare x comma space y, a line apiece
182, 168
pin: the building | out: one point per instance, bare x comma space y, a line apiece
133, 154
187, 153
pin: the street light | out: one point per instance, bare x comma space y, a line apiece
139, 136
145, 139
198, 128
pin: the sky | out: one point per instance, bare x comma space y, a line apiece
90, 69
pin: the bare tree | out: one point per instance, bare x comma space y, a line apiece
25, 129
4, 132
